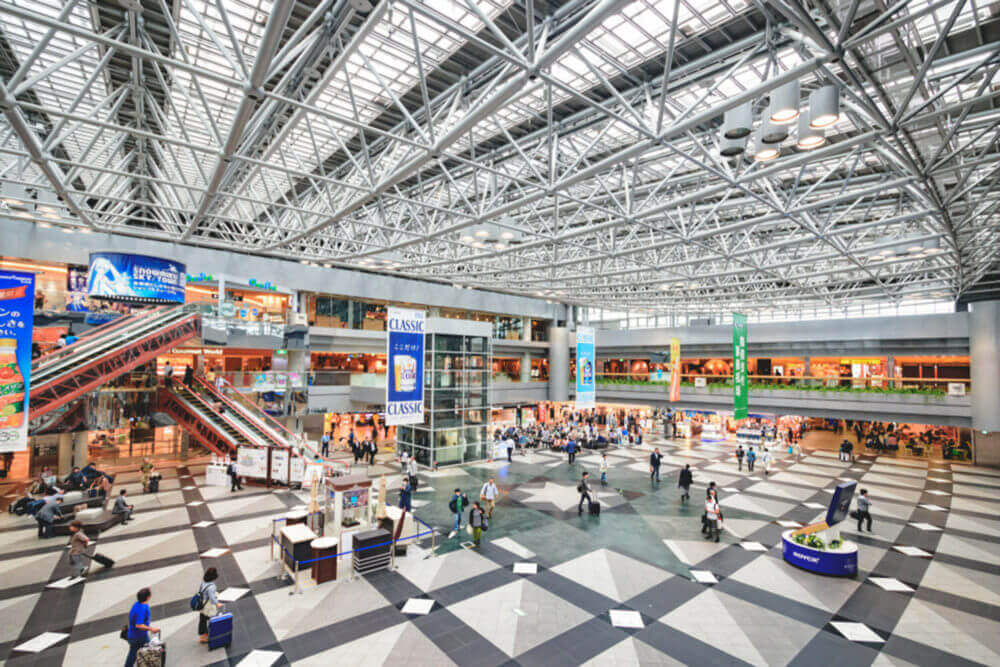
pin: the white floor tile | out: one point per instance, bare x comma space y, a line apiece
939, 493
856, 632
890, 584
418, 606
41, 642
924, 526
232, 594
624, 618
525, 568
203, 524
259, 658
941, 480
704, 577
65, 582
188, 488
789, 524
912, 551
753, 546
214, 552
196, 503
815, 506
934, 508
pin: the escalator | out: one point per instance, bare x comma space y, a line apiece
107, 352
249, 415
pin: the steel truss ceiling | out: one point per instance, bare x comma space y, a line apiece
560, 149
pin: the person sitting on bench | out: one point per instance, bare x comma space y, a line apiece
123, 508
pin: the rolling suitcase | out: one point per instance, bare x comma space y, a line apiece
594, 507
151, 655
103, 560
220, 631
154, 485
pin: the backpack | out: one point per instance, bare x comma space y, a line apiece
453, 504
198, 600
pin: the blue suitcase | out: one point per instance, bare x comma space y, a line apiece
220, 631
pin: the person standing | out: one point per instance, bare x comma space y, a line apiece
604, 469
411, 473
713, 516
209, 595
478, 521
751, 458
457, 505
168, 375
405, 496
739, 456
145, 473
684, 482
138, 626
188, 375
372, 451
584, 489
571, 450
324, 444
654, 466
78, 543
765, 458
488, 494
864, 510
234, 477
47, 515
508, 444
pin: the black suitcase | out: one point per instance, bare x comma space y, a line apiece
103, 560
594, 507
154, 485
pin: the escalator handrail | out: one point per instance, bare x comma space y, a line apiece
53, 355
101, 346
239, 428
241, 409
199, 410
271, 421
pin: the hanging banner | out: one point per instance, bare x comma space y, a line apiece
17, 303
741, 388
586, 390
675, 369
404, 387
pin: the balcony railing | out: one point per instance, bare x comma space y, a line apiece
894, 385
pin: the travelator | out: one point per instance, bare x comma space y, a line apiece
106, 352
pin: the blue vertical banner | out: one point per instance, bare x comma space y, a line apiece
586, 388
404, 386
17, 293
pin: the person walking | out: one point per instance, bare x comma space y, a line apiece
47, 515
168, 375
188, 375
139, 628
145, 474
324, 444
654, 466
765, 459
234, 477
584, 490
713, 517
489, 494
864, 510
411, 473
373, 450
684, 482
604, 469
122, 508
457, 505
208, 594
405, 496
479, 522
571, 450
751, 459
508, 444
740, 453
78, 543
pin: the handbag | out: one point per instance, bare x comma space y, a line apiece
124, 633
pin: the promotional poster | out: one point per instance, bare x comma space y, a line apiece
404, 386
675, 369
586, 389
17, 294
137, 278
741, 386
76, 289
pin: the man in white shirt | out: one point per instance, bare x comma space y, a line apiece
489, 494
765, 458
713, 516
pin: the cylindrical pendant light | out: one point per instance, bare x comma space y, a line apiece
809, 137
738, 123
732, 147
784, 107
762, 150
771, 133
824, 107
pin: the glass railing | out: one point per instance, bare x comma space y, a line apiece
833, 384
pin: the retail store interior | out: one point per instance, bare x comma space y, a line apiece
499, 332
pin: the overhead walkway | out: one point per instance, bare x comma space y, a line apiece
107, 352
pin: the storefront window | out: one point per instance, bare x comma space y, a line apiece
368, 316
508, 328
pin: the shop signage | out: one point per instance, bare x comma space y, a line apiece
404, 387
227, 309
586, 389
263, 381
279, 464
956, 389
741, 386
17, 304
675, 369
265, 285
700, 382
201, 278
136, 278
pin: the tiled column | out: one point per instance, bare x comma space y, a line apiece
558, 364
984, 358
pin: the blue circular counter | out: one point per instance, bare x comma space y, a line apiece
840, 563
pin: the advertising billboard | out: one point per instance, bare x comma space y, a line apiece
17, 294
675, 369
404, 386
741, 386
136, 278
586, 388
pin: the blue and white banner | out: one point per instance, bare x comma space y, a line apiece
141, 278
17, 303
404, 386
586, 389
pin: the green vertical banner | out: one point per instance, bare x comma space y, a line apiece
741, 388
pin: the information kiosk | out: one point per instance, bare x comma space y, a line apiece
819, 547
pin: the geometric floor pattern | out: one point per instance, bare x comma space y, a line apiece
636, 585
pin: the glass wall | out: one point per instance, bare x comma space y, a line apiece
456, 400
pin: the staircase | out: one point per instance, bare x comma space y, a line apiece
107, 352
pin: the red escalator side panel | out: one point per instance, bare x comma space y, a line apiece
51, 395
195, 426
233, 407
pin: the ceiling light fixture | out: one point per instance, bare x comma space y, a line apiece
772, 133
824, 107
784, 107
732, 147
738, 122
762, 151
809, 137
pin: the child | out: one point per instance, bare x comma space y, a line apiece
604, 469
